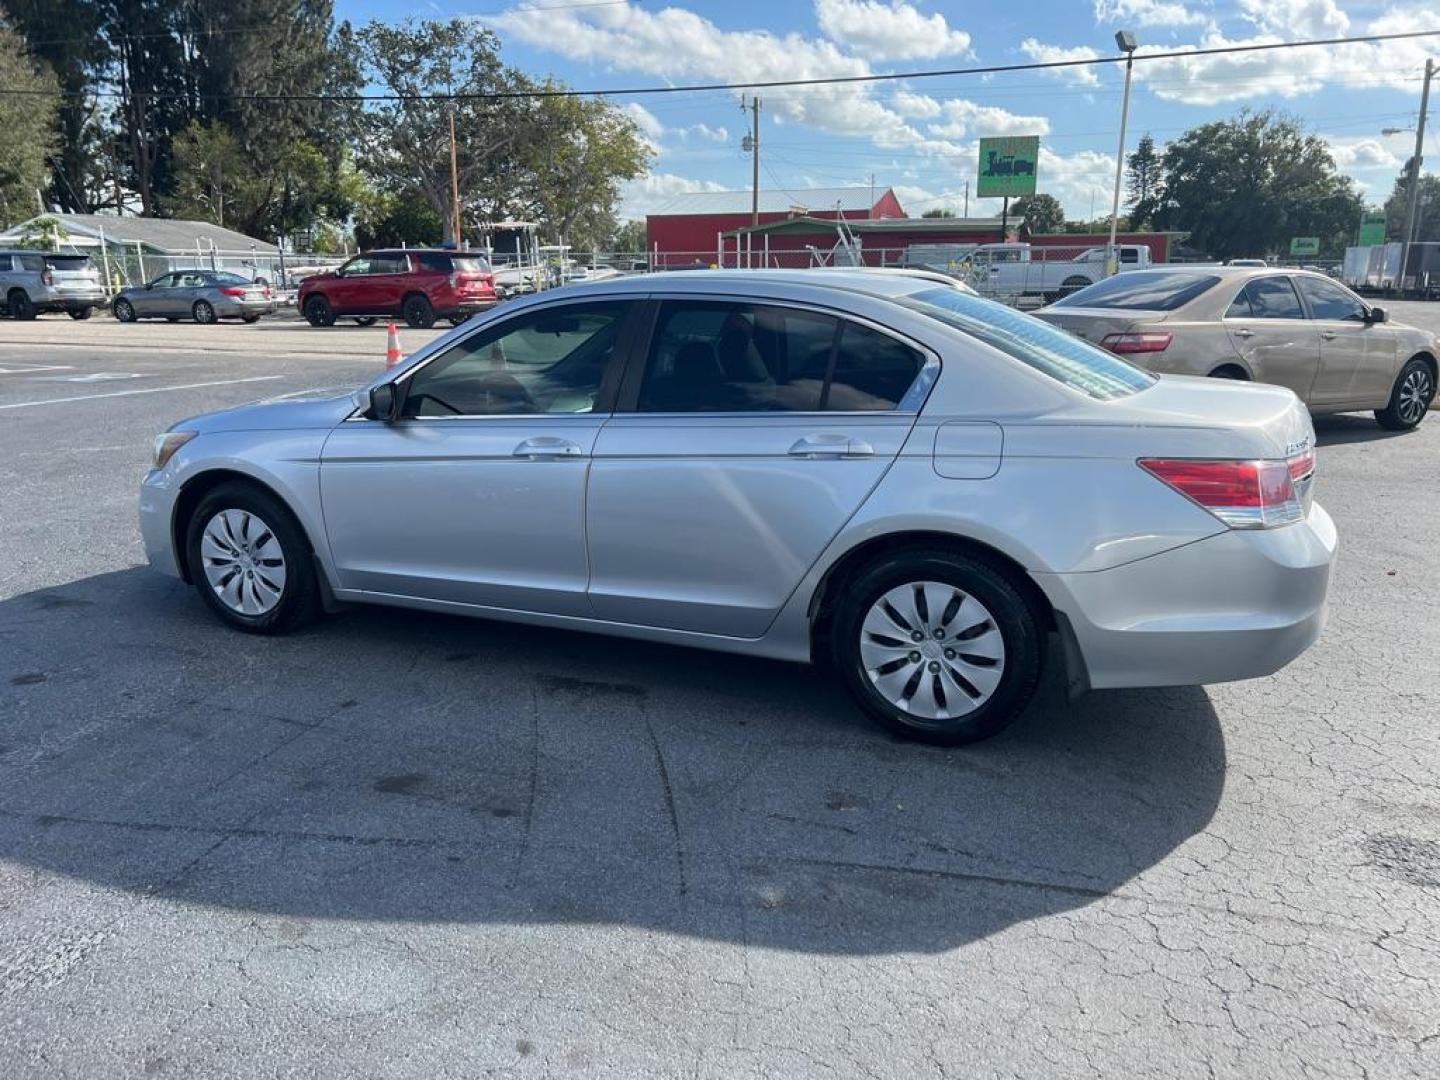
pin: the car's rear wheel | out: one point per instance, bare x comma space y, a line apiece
418, 312
20, 306
318, 312
1410, 397
1073, 284
365, 320
123, 310
937, 647
1230, 371
202, 311
250, 560
79, 314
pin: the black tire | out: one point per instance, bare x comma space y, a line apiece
1073, 285
419, 315
80, 314
1410, 397
459, 320
318, 312
249, 318
202, 312
1230, 371
365, 320
172, 318
20, 306
1018, 623
300, 595
123, 310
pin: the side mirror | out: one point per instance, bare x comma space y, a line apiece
1377, 315
384, 402
149, 285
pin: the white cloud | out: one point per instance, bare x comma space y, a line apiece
648, 123
705, 132
919, 106
639, 197
1151, 13
965, 119
1050, 54
889, 31
1364, 153
1297, 19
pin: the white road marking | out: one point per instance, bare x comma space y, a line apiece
95, 376
147, 390
12, 368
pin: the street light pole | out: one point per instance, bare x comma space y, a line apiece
454, 180
1412, 200
1125, 39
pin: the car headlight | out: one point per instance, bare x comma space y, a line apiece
167, 443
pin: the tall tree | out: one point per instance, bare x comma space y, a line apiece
27, 121
1244, 187
1143, 174
1427, 214
938, 212
1041, 213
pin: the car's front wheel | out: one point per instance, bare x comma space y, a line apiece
937, 646
1410, 397
124, 310
318, 312
251, 561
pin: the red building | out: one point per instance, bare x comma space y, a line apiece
686, 228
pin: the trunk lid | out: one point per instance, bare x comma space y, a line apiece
1095, 324
1222, 418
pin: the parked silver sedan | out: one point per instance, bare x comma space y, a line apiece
202, 295
932, 490
1294, 328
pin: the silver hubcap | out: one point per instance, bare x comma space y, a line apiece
244, 562
931, 650
1415, 393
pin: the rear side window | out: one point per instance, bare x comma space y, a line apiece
1158, 291
1048, 349
434, 262
390, 264
1266, 298
32, 263
872, 371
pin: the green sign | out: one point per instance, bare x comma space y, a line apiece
1304, 245
1372, 229
1007, 166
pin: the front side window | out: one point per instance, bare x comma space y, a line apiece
1330, 301
356, 267
547, 361
164, 281
1048, 349
1266, 298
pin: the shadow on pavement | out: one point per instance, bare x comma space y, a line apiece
398, 766
1340, 428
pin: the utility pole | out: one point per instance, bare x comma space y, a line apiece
1412, 201
967, 200
454, 180
754, 140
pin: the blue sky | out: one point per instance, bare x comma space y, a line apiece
918, 136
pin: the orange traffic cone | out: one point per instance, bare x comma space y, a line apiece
393, 355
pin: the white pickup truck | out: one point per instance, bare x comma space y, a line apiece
1006, 271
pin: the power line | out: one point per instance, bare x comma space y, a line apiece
831, 80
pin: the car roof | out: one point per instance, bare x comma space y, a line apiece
838, 279
1230, 272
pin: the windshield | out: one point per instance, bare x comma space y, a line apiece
1161, 290
1045, 348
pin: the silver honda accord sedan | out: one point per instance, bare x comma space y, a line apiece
929, 491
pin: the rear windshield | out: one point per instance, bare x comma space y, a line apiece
229, 279
1158, 291
1047, 349
68, 262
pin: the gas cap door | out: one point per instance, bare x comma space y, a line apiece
968, 449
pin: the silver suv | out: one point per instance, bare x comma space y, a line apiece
36, 281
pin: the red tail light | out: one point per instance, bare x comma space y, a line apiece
1149, 341
233, 290
1256, 494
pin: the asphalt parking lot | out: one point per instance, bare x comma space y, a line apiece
410, 845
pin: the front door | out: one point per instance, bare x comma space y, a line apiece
756, 432
476, 496
1268, 330
1357, 357
155, 297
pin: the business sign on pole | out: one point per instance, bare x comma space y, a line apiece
1304, 245
1007, 166
1372, 229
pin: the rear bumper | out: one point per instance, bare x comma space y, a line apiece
232, 308
469, 307
1239, 605
52, 300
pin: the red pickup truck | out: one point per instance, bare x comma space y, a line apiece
418, 284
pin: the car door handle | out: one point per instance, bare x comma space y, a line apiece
547, 448
831, 446
1328, 335
1243, 333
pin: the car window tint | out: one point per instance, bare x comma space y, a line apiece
389, 264
192, 281
1145, 290
356, 267
872, 371
1269, 298
434, 261
713, 356
1328, 301
33, 263
547, 361
229, 279
1048, 349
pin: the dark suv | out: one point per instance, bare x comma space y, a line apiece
420, 284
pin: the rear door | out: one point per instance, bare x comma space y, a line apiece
1357, 357
745, 440
389, 280
1268, 329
